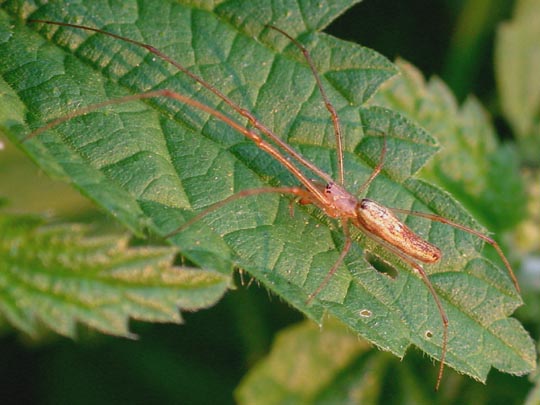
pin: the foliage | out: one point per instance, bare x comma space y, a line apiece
54, 276
517, 62
153, 164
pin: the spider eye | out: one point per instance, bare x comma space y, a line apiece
328, 187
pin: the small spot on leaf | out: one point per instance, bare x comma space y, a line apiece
365, 313
381, 266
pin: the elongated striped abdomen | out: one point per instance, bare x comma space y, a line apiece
380, 221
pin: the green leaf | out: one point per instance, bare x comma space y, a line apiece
534, 395
309, 365
472, 164
54, 275
330, 365
155, 164
517, 64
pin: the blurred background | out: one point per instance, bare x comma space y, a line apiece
203, 361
